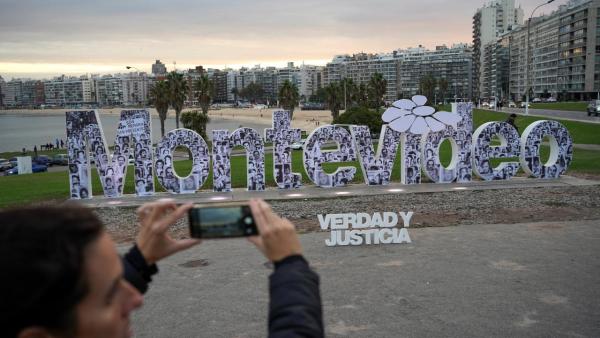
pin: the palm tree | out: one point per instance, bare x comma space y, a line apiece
377, 89
159, 96
443, 84
178, 92
334, 95
427, 85
204, 88
362, 95
289, 97
349, 92
196, 121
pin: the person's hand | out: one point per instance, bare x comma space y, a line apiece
277, 237
153, 240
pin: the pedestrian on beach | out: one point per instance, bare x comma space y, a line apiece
35, 151
62, 144
57, 144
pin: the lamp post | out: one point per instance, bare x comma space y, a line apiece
527, 57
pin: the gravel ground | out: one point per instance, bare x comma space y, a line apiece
505, 206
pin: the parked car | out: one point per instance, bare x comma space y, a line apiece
13, 161
593, 108
298, 145
43, 159
551, 99
485, 105
60, 159
511, 104
522, 105
5, 164
536, 100
36, 168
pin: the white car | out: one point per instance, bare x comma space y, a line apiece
5, 164
511, 104
536, 100
298, 145
551, 99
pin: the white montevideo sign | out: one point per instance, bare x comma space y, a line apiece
363, 228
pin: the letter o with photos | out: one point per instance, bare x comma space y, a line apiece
168, 178
561, 149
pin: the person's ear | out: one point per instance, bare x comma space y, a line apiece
35, 332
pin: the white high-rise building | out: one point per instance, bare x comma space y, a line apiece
489, 22
2, 91
309, 80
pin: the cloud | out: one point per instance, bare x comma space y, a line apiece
210, 32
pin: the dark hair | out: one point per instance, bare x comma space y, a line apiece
42, 261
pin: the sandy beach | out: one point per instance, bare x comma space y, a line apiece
306, 120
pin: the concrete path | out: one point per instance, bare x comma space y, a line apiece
504, 280
313, 192
558, 114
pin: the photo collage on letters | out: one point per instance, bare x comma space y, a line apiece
165, 171
460, 166
223, 144
376, 168
134, 128
282, 137
561, 149
314, 156
483, 151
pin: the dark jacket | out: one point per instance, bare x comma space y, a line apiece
295, 301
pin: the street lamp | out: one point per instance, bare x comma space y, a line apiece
527, 57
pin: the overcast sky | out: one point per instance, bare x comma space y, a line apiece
49, 37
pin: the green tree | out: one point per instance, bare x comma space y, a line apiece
160, 97
427, 85
253, 92
362, 95
349, 92
334, 94
377, 90
320, 96
195, 120
205, 89
178, 93
443, 86
361, 115
289, 97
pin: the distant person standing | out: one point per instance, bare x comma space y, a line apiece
35, 150
62, 144
57, 143
511, 120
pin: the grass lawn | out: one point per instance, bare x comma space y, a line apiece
571, 106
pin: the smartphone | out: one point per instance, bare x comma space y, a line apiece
221, 221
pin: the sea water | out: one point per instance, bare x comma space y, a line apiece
20, 131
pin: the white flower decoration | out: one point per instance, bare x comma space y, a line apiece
414, 116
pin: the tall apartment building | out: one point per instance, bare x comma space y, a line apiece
68, 91
159, 68
2, 91
496, 70
109, 90
360, 67
269, 84
219, 78
454, 64
289, 73
564, 54
135, 88
14, 93
309, 80
33, 93
490, 21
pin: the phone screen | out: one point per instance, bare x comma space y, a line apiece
222, 222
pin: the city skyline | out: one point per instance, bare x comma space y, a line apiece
36, 42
